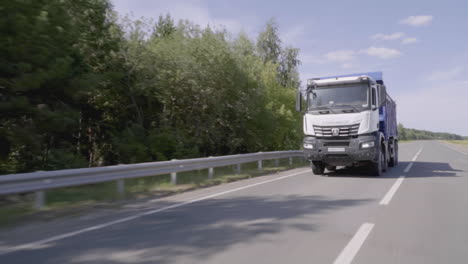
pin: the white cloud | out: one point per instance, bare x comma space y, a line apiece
409, 40
445, 75
340, 55
383, 53
394, 36
417, 21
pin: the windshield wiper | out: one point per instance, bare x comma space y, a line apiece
323, 107
351, 106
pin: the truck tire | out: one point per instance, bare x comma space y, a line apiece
318, 167
385, 159
377, 167
395, 158
393, 161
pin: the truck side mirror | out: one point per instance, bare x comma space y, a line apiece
299, 100
382, 95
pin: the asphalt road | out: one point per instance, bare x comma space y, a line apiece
415, 213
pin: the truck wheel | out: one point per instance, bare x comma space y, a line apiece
385, 160
391, 162
377, 167
318, 168
394, 155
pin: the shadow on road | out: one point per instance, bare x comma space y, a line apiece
432, 169
419, 169
191, 233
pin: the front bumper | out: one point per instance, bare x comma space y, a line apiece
342, 151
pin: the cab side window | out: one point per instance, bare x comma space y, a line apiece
374, 97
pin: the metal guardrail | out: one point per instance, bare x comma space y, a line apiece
40, 181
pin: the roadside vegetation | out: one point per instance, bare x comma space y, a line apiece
406, 134
460, 142
83, 87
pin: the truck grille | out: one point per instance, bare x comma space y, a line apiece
343, 131
336, 144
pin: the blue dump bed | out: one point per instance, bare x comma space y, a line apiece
388, 119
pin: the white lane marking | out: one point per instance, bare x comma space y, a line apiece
454, 149
417, 154
349, 252
407, 169
389, 195
33, 245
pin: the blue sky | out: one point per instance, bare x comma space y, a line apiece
421, 46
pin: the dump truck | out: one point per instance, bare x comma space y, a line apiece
349, 120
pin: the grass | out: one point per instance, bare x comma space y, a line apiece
11, 212
460, 142
72, 200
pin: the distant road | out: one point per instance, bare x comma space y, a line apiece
415, 213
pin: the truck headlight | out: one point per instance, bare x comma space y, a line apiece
308, 146
369, 144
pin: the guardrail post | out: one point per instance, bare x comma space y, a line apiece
210, 173
121, 186
39, 199
260, 165
290, 161
174, 178
276, 162
238, 168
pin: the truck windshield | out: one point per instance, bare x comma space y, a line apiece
339, 96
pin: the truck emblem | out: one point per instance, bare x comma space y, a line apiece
335, 131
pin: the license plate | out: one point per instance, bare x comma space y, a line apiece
336, 149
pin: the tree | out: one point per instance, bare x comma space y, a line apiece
54, 57
402, 132
269, 43
289, 63
165, 27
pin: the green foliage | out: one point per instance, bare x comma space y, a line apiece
64, 159
164, 28
54, 56
81, 87
415, 134
269, 43
131, 145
